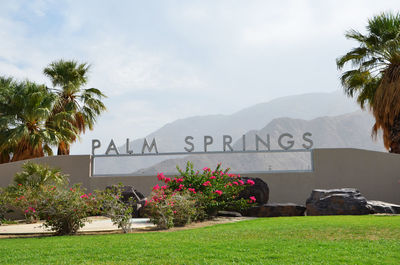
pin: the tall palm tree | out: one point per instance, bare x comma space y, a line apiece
6, 84
24, 111
68, 77
374, 74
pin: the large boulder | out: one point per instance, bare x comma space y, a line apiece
134, 198
377, 207
276, 210
345, 201
260, 190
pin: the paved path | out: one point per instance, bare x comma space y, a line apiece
97, 224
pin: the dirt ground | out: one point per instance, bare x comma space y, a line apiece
218, 220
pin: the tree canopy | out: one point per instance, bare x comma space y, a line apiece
374, 74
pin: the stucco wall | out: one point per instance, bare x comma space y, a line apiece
375, 174
76, 166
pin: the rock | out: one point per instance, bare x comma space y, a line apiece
276, 210
259, 190
229, 214
133, 198
383, 207
337, 202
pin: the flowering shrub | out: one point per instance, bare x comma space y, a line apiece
4, 204
66, 210
112, 207
26, 199
167, 209
194, 195
213, 190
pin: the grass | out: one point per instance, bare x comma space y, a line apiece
293, 240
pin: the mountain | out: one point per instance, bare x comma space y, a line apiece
170, 137
348, 130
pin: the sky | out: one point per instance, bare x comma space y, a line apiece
158, 61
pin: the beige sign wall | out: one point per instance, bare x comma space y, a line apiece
375, 174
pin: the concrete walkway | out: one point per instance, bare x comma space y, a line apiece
96, 224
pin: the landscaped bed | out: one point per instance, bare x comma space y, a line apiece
367, 239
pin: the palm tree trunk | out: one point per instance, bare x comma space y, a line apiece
25, 151
395, 136
63, 148
4, 157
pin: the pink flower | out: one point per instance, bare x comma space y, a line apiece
218, 192
156, 187
167, 180
164, 187
251, 182
237, 184
241, 182
160, 176
174, 212
206, 169
192, 190
252, 199
179, 180
207, 183
213, 177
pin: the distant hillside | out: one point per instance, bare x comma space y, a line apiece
349, 130
170, 137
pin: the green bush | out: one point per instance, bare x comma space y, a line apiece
29, 185
27, 200
4, 204
112, 207
167, 209
66, 210
36, 175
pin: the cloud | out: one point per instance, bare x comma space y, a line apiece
159, 61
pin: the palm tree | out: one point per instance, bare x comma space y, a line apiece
24, 112
6, 84
68, 77
374, 75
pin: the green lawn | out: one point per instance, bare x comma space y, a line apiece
294, 240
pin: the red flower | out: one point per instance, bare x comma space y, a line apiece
207, 183
167, 180
156, 187
160, 176
218, 192
241, 182
164, 187
252, 199
251, 182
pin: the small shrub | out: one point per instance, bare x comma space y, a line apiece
29, 185
4, 205
170, 209
27, 200
112, 207
66, 210
36, 175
